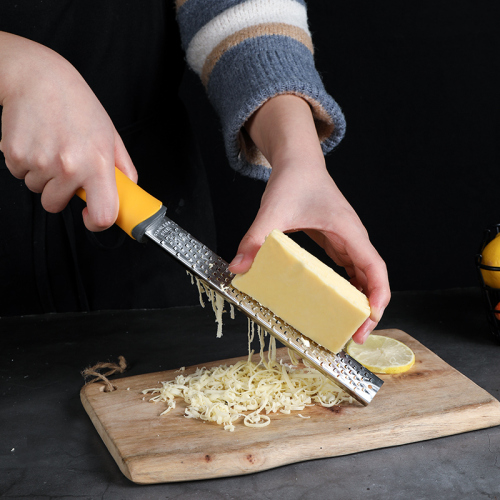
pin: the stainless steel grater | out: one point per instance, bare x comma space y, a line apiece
346, 372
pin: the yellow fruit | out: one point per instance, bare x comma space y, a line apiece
382, 354
491, 257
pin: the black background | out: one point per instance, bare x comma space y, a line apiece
418, 83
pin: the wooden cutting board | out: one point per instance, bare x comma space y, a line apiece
431, 400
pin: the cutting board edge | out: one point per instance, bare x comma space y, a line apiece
243, 462
138, 465
107, 440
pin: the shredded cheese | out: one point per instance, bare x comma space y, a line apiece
246, 390
215, 299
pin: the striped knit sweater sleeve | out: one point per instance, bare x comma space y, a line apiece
247, 51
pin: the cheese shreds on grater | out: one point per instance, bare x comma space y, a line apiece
213, 271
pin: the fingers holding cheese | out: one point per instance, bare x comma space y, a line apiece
322, 212
301, 195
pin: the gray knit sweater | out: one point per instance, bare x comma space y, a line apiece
247, 51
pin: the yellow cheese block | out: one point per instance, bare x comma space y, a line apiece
304, 292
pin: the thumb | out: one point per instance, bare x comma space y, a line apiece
245, 255
102, 201
102, 195
250, 244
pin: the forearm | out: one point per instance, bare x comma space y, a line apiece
283, 129
8, 48
22, 60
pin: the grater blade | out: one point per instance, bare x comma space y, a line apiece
346, 372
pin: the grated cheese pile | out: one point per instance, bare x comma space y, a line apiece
247, 390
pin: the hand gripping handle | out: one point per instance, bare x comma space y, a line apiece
137, 207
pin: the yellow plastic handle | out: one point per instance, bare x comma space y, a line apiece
136, 205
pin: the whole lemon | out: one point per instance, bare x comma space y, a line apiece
491, 257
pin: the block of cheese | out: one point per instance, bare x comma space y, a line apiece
304, 292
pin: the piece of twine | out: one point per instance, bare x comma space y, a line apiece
93, 371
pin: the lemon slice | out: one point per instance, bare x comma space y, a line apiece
382, 354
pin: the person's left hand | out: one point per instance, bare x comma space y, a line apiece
301, 195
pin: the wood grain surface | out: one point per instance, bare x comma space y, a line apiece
429, 401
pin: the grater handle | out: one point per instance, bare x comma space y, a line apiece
137, 207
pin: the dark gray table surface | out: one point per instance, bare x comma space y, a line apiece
50, 449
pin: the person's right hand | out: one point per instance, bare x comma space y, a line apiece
55, 133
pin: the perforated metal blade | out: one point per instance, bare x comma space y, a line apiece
346, 372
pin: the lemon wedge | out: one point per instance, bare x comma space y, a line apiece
382, 354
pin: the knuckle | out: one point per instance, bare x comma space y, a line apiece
77, 162
68, 162
14, 153
53, 206
250, 243
103, 219
102, 223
